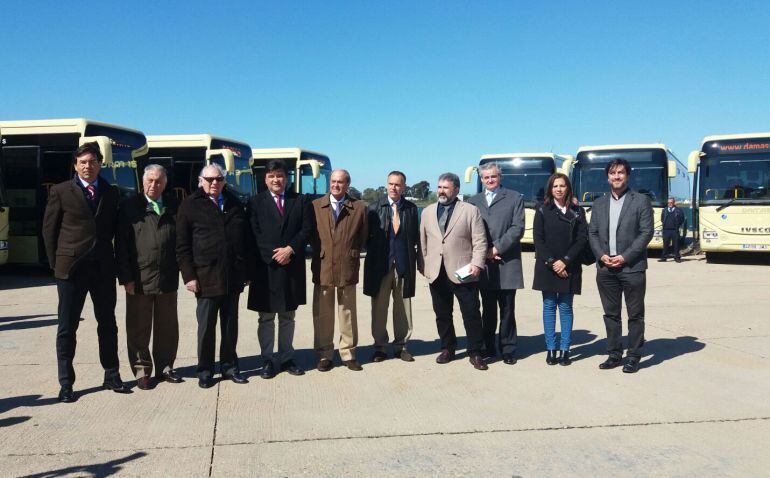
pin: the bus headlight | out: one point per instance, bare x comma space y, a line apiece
710, 235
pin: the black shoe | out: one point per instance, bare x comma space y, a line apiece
550, 358
268, 371
662, 259
405, 356
631, 366
509, 359
445, 356
610, 363
172, 376
206, 382
324, 365
236, 378
379, 356
66, 395
292, 368
564, 359
678, 259
115, 384
352, 365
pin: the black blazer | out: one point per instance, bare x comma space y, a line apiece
275, 286
72, 231
378, 244
675, 222
213, 246
559, 236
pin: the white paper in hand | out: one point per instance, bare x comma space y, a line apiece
464, 273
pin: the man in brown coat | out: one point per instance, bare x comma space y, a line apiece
340, 234
78, 229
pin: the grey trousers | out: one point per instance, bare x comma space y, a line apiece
391, 285
266, 335
156, 315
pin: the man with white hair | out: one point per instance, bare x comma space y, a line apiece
213, 247
147, 268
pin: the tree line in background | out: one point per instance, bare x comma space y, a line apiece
417, 192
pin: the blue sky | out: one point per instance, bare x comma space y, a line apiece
421, 86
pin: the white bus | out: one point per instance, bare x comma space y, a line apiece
655, 172
731, 202
526, 173
183, 156
37, 154
3, 211
309, 171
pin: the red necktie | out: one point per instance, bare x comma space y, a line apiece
91, 191
278, 204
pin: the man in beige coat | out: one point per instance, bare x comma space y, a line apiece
454, 246
339, 235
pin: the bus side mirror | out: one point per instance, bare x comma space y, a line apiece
692, 161
469, 173
226, 154
566, 166
105, 146
315, 166
141, 151
672, 169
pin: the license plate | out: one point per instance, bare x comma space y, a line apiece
755, 246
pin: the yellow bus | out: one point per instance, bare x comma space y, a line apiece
526, 173
3, 211
309, 171
654, 169
183, 156
37, 154
731, 202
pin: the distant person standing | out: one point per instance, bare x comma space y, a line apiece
503, 213
145, 248
212, 247
281, 222
453, 242
672, 218
337, 241
392, 254
560, 233
78, 229
621, 228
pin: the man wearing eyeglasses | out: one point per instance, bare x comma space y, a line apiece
212, 247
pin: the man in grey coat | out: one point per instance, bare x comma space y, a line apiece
503, 213
620, 229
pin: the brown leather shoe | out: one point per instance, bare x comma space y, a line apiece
324, 365
405, 356
478, 362
144, 383
445, 356
353, 365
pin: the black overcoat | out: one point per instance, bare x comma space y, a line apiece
562, 237
277, 288
213, 246
378, 244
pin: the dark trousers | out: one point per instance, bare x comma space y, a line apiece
443, 291
670, 241
227, 308
72, 296
506, 301
613, 285
151, 314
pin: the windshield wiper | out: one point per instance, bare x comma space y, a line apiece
727, 204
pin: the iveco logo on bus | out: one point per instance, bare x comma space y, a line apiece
756, 230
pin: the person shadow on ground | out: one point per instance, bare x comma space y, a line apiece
97, 469
654, 352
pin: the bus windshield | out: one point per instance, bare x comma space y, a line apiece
738, 179
528, 176
649, 174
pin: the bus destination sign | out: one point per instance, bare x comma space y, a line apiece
743, 147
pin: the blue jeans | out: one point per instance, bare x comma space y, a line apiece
550, 302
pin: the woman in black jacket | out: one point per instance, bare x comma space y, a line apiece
560, 234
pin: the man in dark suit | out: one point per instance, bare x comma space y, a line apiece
281, 222
212, 248
671, 218
78, 229
503, 213
620, 229
392, 252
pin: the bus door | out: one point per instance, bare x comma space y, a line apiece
27, 194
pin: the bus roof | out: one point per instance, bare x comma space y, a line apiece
281, 152
55, 126
521, 155
723, 137
187, 140
612, 147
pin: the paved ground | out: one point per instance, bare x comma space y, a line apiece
698, 406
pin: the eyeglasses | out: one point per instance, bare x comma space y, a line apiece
219, 179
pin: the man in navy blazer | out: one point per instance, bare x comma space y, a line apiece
620, 229
671, 219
